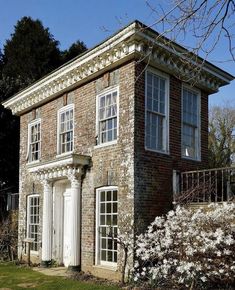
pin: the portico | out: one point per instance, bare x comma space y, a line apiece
61, 179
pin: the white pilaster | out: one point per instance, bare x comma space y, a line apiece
47, 223
75, 220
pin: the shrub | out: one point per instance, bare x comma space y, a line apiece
8, 237
188, 249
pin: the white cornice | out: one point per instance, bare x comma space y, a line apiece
61, 167
126, 44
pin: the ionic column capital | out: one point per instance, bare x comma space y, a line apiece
75, 179
47, 185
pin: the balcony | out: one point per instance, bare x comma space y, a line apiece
204, 186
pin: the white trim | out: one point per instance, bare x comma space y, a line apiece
198, 130
105, 92
124, 45
28, 157
28, 214
166, 136
110, 143
98, 263
59, 112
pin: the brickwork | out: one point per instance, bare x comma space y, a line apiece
153, 171
111, 165
143, 178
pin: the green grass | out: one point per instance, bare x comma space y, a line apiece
17, 277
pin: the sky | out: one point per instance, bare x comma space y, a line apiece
91, 21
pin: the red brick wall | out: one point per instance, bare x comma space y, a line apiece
153, 171
143, 178
115, 159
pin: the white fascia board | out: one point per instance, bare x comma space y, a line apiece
74, 64
208, 67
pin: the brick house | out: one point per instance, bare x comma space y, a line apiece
100, 137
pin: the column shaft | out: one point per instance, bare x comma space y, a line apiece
75, 222
47, 224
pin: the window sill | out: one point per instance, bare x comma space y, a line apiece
167, 153
32, 253
106, 267
105, 144
191, 158
33, 162
64, 154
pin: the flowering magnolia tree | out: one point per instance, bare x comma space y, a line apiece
188, 249
125, 238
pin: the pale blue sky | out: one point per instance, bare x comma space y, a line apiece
92, 21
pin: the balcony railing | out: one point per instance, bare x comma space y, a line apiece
200, 186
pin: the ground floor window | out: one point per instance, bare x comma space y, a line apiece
107, 216
33, 221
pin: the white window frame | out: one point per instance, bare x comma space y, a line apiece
198, 129
98, 261
29, 153
28, 221
61, 111
167, 110
106, 92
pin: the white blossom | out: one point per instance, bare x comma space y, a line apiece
186, 245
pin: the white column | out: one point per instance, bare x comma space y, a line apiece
75, 221
47, 223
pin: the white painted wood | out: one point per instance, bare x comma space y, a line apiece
47, 222
67, 228
75, 220
57, 249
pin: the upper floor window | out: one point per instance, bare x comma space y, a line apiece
190, 123
156, 108
107, 117
33, 221
65, 129
34, 141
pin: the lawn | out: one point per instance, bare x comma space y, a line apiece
18, 277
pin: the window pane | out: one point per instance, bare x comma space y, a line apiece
102, 114
114, 220
102, 219
103, 255
102, 102
109, 194
103, 243
110, 244
102, 208
110, 256
115, 207
115, 195
149, 104
108, 220
109, 207
155, 105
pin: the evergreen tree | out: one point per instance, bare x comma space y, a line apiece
75, 49
31, 53
28, 55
